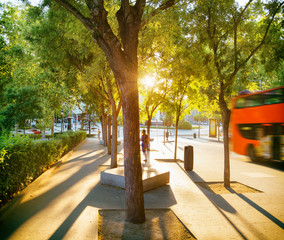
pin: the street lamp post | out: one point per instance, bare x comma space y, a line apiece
61, 121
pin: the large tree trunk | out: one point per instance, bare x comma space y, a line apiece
133, 171
226, 113
175, 154
115, 112
122, 56
109, 135
52, 127
199, 125
89, 121
104, 128
113, 163
149, 122
83, 116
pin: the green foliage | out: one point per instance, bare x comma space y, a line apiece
184, 125
23, 159
200, 117
30, 86
168, 119
34, 136
21, 104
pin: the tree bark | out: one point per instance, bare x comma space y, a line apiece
199, 125
149, 122
113, 163
226, 114
175, 154
104, 128
83, 116
109, 135
89, 121
133, 171
115, 112
52, 127
122, 56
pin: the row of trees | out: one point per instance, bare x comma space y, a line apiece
199, 53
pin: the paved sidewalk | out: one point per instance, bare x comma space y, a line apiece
63, 202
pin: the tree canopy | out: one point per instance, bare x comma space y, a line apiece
201, 53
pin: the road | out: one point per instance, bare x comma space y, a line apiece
263, 208
208, 154
63, 202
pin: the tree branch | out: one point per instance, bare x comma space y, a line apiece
213, 45
97, 92
74, 62
103, 88
163, 6
86, 21
236, 31
256, 48
119, 107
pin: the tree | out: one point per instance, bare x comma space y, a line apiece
19, 100
102, 83
227, 38
121, 53
90, 74
153, 96
155, 49
177, 103
24, 73
21, 104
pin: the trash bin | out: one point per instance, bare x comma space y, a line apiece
188, 158
194, 135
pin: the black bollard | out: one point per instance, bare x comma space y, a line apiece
188, 158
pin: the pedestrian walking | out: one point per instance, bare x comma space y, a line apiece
99, 134
145, 143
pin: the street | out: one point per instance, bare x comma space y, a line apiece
208, 158
265, 205
64, 201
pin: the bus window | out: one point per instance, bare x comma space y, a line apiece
249, 131
273, 97
250, 101
253, 101
240, 103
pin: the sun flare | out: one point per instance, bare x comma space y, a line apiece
148, 81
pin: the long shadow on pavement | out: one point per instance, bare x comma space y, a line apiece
96, 199
16, 214
221, 203
218, 201
260, 209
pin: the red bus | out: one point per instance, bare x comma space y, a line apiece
257, 124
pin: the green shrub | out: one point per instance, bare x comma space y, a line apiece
39, 136
48, 136
34, 136
185, 125
22, 159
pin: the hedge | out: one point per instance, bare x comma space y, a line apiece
185, 125
23, 159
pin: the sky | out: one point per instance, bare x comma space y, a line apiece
35, 2
19, 2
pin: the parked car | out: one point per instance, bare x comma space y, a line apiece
35, 131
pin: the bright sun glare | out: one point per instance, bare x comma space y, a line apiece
148, 81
